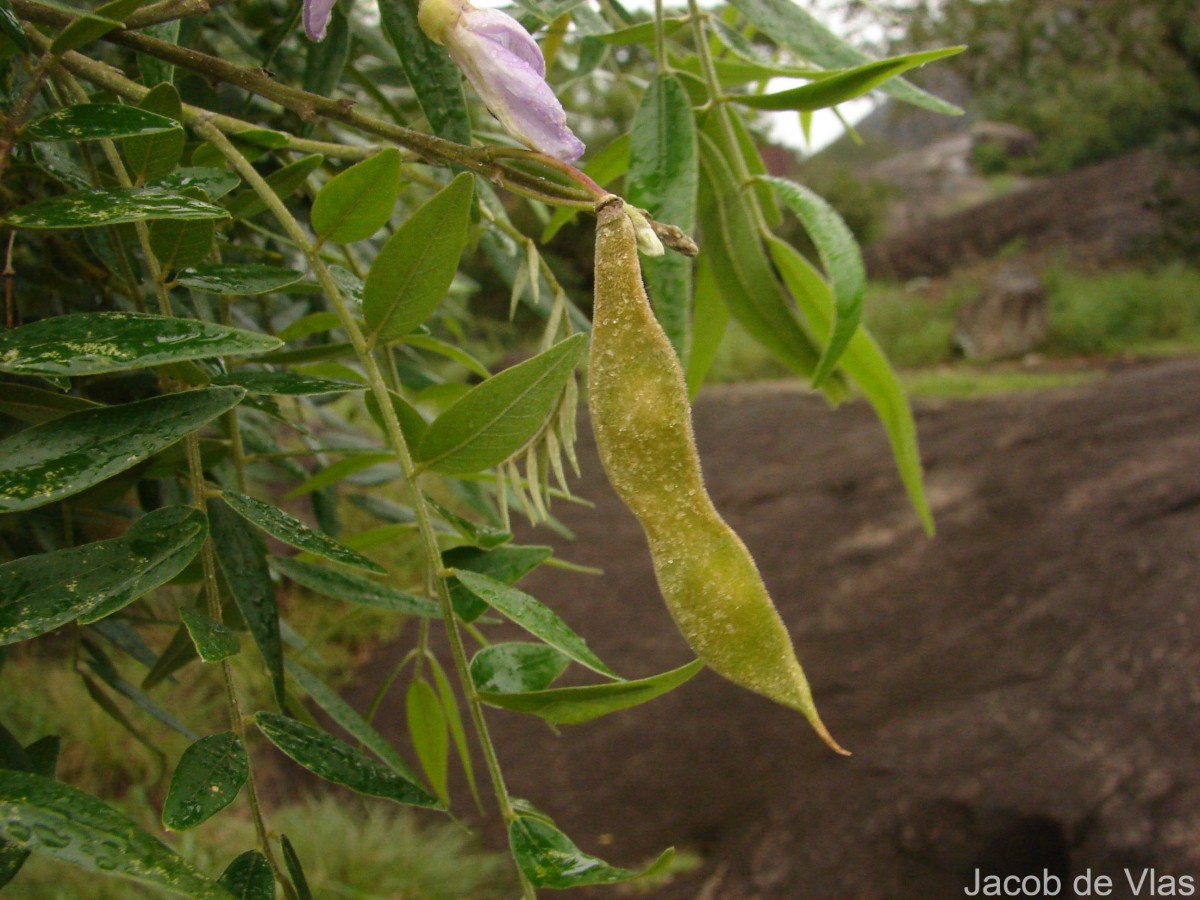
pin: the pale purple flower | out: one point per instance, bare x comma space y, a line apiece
506, 67
316, 18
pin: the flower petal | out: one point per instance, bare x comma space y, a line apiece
507, 32
515, 91
316, 17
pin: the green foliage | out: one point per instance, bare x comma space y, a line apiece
247, 429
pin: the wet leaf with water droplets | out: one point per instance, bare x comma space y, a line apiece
209, 775
354, 588
334, 760
96, 121
550, 859
49, 817
214, 642
249, 877
99, 207
516, 668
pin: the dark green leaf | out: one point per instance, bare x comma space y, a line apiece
10, 25
97, 121
534, 616
155, 156
62, 457
178, 653
498, 417
154, 70
412, 424
40, 593
209, 775
94, 24
433, 76
97, 343
841, 259
354, 588
249, 877
49, 817
179, 244
94, 208
429, 735
284, 183
505, 564
516, 668
295, 533
216, 183
295, 870
338, 762
413, 270
348, 718
483, 536
34, 405
243, 561
287, 384
43, 755
214, 642
238, 278
663, 177
573, 705
867, 366
358, 202
794, 28
838, 87
550, 859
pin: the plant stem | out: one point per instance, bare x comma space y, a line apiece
398, 445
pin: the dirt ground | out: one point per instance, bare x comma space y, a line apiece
1021, 693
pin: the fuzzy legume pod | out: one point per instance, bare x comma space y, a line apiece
643, 426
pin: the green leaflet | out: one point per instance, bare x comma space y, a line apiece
275, 522
69, 454
516, 668
97, 121
295, 870
94, 24
573, 705
549, 859
430, 736
214, 642
534, 616
238, 278
155, 156
841, 260
49, 817
336, 761
114, 206
97, 343
838, 87
793, 27
498, 417
207, 779
216, 183
286, 384
10, 25
249, 877
663, 178
434, 78
865, 364
354, 588
284, 183
358, 202
710, 321
40, 593
241, 556
413, 270
505, 564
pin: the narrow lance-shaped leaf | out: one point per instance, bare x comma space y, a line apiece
429, 735
867, 366
10, 25
275, 522
534, 616
841, 260
414, 269
97, 121
94, 24
209, 775
292, 860
284, 183
112, 206
49, 817
791, 26
338, 762
711, 319
663, 178
62, 457
238, 278
242, 558
573, 705
839, 87
549, 859
102, 342
40, 593
354, 588
498, 417
358, 202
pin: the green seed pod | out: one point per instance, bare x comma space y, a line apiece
643, 426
